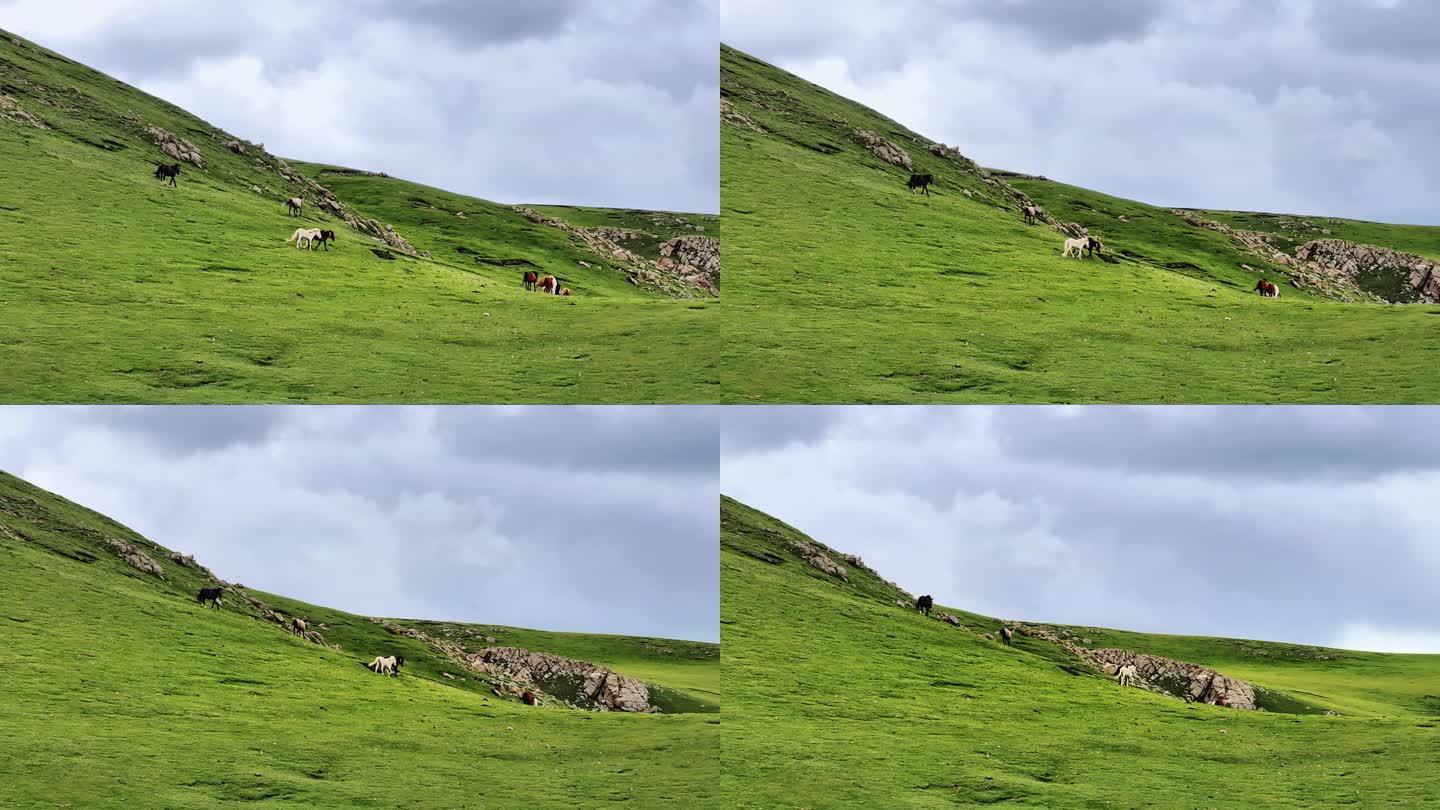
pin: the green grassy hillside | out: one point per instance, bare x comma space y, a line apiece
120, 690
834, 696
118, 288
845, 287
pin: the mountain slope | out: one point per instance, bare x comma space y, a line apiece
846, 287
122, 691
835, 696
117, 287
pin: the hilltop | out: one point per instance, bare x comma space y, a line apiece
845, 286
147, 698
117, 287
837, 695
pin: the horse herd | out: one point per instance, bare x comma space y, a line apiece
311, 238
381, 665
1080, 247
1126, 675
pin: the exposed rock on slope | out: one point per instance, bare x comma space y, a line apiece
175, 147
695, 260
1348, 262
885, 150
579, 681
10, 108
134, 557
675, 273
1192, 682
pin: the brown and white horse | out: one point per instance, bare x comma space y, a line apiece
1267, 289
550, 284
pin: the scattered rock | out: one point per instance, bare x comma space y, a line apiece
885, 150
10, 108
948, 619
236, 147
819, 559
729, 114
175, 147
448, 675
134, 557
461, 215
257, 189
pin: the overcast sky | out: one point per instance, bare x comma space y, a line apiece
585, 519
541, 101
1295, 106
1305, 524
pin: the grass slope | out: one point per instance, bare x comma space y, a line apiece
836, 697
844, 287
122, 691
118, 289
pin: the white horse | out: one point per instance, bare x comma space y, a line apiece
295, 204
1076, 247
384, 665
1127, 675
309, 236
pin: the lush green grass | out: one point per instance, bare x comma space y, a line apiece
836, 697
116, 288
844, 287
120, 690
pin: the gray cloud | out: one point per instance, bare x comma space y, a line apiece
1283, 523
1330, 112
553, 101
585, 519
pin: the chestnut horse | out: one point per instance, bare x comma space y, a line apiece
531, 279
1267, 289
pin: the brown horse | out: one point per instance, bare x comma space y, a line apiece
550, 284
529, 698
1006, 634
531, 278
1267, 289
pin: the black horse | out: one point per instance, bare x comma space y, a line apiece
924, 603
211, 595
167, 172
326, 237
1093, 246
922, 182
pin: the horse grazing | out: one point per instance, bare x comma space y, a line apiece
564, 291
298, 625
326, 237
922, 182
1006, 634
1267, 288
1031, 212
167, 172
550, 284
293, 206
1127, 675
386, 665
309, 236
530, 279
924, 603
1076, 247
211, 595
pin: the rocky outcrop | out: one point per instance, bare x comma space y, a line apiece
1303, 273
326, 201
1191, 682
175, 147
236, 147
818, 559
10, 108
674, 273
134, 557
576, 681
1414, 277
694, 260
887, 151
